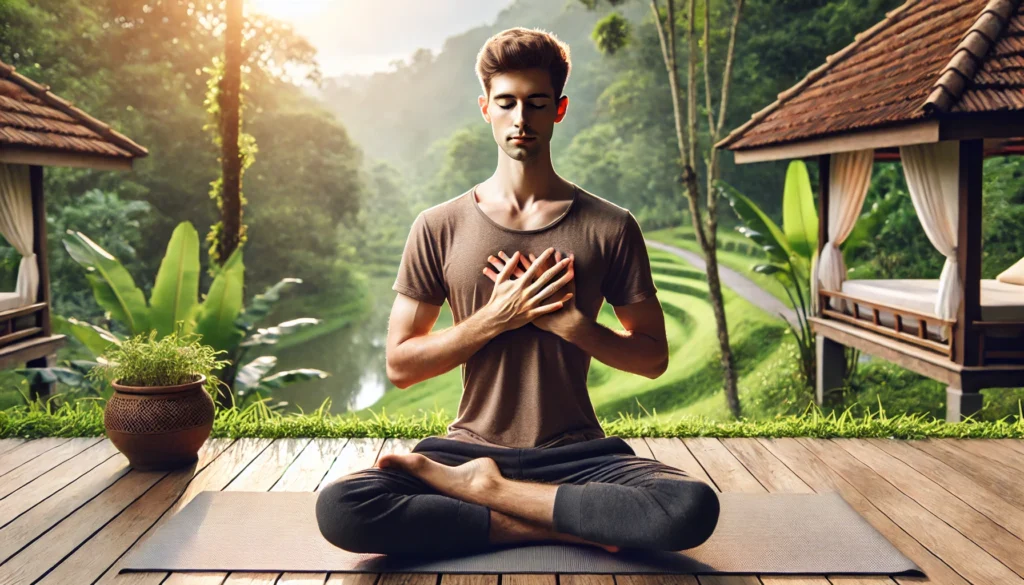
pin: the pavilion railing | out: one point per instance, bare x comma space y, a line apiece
13, 327
867, 314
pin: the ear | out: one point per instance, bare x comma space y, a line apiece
482, 101
563, 103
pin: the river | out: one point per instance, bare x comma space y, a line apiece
353, 355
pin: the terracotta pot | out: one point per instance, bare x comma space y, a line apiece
159, 427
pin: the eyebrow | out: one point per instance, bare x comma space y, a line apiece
532, 95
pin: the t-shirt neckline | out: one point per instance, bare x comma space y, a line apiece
555, 222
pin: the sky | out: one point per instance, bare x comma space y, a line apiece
364, 36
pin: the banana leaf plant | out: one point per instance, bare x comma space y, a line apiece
792, 249
221, 317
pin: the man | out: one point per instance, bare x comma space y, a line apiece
525, 260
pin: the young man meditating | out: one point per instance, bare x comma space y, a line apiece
525, 259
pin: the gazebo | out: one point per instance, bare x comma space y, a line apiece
937, 85
38, 129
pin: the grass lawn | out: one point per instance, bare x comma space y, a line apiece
691, 385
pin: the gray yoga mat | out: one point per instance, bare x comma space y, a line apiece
813, 534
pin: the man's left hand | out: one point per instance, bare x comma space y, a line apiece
559, 322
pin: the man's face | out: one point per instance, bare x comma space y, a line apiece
522, 110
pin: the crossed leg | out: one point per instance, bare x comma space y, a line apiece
413, 504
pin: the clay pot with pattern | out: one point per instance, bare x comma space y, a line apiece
159, 427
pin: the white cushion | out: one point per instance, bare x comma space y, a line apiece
10, 300
1013, 274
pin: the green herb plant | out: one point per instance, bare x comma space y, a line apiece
144, 360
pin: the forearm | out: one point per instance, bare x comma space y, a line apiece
623, 350
426, 356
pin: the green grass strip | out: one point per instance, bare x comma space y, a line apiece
84, 418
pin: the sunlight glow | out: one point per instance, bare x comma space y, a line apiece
287, 10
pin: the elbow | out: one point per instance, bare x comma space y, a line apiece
395, 376
659, 369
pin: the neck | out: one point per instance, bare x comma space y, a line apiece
526, 180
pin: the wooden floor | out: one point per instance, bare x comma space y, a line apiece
71, 508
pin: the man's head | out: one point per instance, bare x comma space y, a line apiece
522, 72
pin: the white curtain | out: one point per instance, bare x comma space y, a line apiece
16, 226
849, 178
932, 172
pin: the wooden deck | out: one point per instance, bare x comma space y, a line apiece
71, 508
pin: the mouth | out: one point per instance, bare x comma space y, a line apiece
521, 139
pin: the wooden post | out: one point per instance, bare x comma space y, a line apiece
824, 161
965, 337
830, 357
35, 174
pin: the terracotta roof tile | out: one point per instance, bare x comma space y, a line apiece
31, 116
925, 58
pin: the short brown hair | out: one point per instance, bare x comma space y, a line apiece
520, 48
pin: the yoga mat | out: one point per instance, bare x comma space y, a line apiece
756, 533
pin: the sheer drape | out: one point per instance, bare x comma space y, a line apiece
849, 178
16, 226
932, 172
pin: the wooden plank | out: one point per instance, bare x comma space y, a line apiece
907, 133
1000, 454
822, 478
672, 451
353, 579
528, 579
655, 580
1006, 483
974, 494
30, 450
100, 557
765, 467
1015, 444
28, 472
114, 536
259, 476
48, 483
727, 472
585, 579
640, 448
8, 444
48, 513
963, 555
308, 473
980, 529
469, 579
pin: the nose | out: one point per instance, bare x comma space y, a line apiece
518, 115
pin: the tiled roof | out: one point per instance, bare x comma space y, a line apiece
924, 59
31, 116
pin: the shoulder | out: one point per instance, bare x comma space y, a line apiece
600, 211
446, 213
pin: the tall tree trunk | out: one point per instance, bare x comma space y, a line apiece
231, 161
704, 230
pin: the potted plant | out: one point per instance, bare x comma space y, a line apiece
162, 408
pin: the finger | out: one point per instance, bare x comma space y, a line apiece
491, 274
532, 271
546, 276
551, 288
544, 309
518, 271
507, 270
497, 263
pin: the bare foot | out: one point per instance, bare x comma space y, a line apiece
461, 481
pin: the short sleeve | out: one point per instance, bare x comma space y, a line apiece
628, 278
420, 273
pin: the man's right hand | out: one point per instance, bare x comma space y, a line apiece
515, 303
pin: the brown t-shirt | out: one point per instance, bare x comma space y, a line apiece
526, 387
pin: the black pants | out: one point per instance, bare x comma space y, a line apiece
606, 494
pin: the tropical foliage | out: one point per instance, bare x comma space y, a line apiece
220, 320
791, 250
